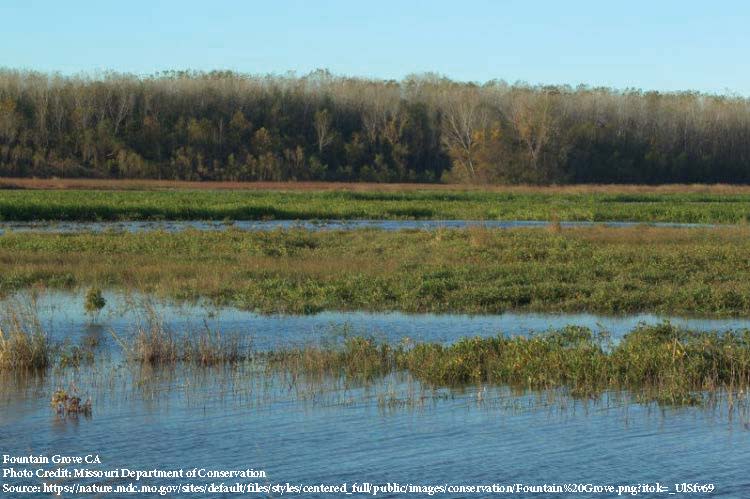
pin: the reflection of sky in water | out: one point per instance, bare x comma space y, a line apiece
63, 317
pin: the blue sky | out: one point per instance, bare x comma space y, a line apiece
662, 45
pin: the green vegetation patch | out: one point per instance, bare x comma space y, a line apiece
606, 270
660, 363
92, 205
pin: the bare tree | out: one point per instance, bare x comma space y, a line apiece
534, 123
323, 129
120, 106
464, 116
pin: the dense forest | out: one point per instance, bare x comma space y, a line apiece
229, 126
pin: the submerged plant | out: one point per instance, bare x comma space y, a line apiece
75, 355
70, 404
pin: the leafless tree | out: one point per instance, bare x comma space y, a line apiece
323, 129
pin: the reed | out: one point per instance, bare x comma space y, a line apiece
157, 345
23, 346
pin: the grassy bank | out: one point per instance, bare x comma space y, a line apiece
712, 205
675, 271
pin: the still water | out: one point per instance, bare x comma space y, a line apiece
335, 431
315, 225
62, 317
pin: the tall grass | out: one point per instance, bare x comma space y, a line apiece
157, 345
20, 350
24, 345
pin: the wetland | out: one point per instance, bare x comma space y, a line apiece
460, 343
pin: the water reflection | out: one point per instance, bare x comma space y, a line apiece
62, 315
392, 429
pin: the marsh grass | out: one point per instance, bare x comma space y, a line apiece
572, 357
662, 364
677, 366
357, 357
705, 204
156, 345
476, 270
24, 346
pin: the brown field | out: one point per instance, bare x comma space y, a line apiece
113, 184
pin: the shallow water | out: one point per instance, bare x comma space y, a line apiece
315, 225
62, 316
393, 430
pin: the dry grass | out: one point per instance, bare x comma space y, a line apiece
23, 346
156, 345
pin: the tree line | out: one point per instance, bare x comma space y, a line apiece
426, 128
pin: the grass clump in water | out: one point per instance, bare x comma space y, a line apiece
23, 348
357, 357
572, 357
662, 363
677, 366
156, 345
94, 301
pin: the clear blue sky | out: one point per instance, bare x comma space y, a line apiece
654, 44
